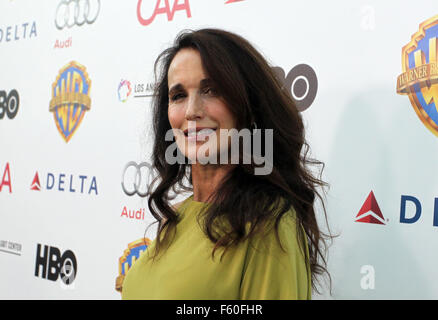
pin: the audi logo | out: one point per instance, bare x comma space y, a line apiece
136, 178
76, 12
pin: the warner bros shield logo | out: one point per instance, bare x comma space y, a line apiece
419, 79
128, 258
70, 98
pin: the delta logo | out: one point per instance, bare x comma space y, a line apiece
36, 185
410, 211
66, 183
130, 255
370, 211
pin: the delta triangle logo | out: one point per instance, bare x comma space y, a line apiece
36, 183
370, 211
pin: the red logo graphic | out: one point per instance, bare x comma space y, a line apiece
63, 44
166, 9
370, 211
231, 1
6, 181
36, 183
133, 214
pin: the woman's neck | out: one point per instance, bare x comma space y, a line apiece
207, 178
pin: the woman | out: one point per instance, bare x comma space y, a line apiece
263, 226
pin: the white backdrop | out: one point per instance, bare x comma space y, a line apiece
369, 137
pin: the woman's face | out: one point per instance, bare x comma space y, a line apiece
195, 108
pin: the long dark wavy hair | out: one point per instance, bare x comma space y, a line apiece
249, 86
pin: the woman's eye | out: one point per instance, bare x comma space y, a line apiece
177, 96
209, 91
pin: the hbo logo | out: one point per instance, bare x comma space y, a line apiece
9, 104
301, 83
52, 264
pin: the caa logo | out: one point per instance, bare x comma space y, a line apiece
169, 11
302, 84
6, 179
128, 258
70, 98
9, 103
420, 73
166, 9
53, 264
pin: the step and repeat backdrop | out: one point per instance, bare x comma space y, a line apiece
76, 79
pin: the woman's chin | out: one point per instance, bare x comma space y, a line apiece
200, 157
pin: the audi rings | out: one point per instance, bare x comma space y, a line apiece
135, 180
76, 12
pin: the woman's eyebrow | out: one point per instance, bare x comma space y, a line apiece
176, 87
205, 82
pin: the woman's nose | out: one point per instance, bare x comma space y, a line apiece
195, 108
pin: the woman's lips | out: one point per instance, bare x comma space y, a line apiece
199, 134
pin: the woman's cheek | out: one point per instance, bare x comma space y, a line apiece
176, 116
219, 111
